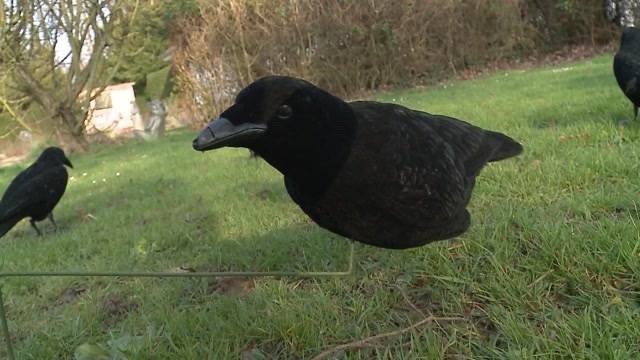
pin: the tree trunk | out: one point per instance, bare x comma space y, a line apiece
70, 136
623, 12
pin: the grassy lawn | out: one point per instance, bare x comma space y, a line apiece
550, 266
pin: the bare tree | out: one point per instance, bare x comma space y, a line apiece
55, 53
623, 12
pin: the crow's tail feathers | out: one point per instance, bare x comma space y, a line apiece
504, 146
7, 224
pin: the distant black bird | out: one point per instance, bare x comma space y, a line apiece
626, 66
381, 174
35, 191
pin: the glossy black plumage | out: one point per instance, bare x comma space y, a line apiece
378, 173
626, 66
35, 191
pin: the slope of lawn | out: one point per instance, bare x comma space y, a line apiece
550, 266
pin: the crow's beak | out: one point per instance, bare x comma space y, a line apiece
222, 132
68, 163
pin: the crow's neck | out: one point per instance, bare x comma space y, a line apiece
313, 163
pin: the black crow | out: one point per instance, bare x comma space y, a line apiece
626, 66
35, 191
378, 173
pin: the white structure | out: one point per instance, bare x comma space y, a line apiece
114, 111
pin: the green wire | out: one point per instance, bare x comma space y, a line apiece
311, 274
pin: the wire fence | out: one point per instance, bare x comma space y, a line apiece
3, 275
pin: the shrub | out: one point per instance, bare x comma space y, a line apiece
347, 46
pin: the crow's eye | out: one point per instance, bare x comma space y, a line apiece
284, 112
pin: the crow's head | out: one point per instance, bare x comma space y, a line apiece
273, 112
55, 156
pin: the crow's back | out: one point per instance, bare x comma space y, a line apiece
408, 178
34, 192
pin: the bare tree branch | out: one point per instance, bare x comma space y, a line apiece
30, 40
7, 104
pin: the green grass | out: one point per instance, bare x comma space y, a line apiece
548, 269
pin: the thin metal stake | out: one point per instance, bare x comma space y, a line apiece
5, 328
351, 256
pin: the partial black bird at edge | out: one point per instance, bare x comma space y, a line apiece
626, 66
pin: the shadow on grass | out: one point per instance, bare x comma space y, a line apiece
300, 247
262, 191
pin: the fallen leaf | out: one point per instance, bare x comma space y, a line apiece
91, 352
185, 268
234, 286
70, 294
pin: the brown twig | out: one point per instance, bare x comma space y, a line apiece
366, 342
415, 308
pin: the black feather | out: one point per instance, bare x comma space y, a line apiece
378, 173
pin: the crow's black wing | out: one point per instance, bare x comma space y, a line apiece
473, 146
20, 179
8, 224
421, 166
34, 195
